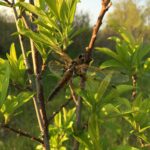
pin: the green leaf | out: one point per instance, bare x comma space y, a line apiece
53, 5
12, 103
84, 139
144, 129
117, 91
110, 63
33, 9
13, 52
23, 97
94, 131
103, 87
4, 80
4, 4
17, 66
127, 36
58, 120
108, 52
124, 88
73, 4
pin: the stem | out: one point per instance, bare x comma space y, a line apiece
78, 114
105, 6
58, 110
29, 72
22, 133
39, 90
39, 100
73, 94
40, 97
88, 54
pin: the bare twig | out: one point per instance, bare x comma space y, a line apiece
58, 110
73, 94
22, 133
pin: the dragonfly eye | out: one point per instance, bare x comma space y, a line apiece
80, 56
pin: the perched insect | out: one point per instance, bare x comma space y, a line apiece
70, 70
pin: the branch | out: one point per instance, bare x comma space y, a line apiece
88, 53
8, 2
78, 113
22, 133
73, 94
58, 110
105, 6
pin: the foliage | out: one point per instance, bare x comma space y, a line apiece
111, 117
12, 70
121, 16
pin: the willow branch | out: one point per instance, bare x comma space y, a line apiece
23, 133
88, 54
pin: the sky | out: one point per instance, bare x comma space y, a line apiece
92, 7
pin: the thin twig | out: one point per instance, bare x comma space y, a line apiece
22, 133
73, 94
8, 2
58, 110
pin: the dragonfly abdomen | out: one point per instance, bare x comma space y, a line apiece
67, 76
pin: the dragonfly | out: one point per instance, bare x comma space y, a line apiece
70, 70
76, 68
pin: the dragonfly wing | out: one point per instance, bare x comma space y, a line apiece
56, 68
99, 74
